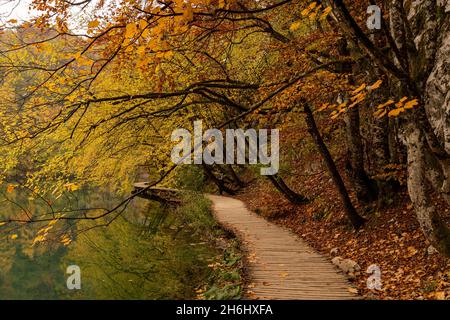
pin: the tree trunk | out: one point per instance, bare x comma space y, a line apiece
421, 36
281, 186
436, 176
365, 191
287, 192
224, 176
219, 183
384, 148
236, 178
356, 220
434, 228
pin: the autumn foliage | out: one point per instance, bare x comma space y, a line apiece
92, 90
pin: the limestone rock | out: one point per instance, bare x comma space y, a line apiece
431, 250
334, 252
349, 266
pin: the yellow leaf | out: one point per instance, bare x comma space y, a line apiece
355, 103
323, 107
38, 239
66, 240
71, 186
305, 12
295, 25
308, 9
2, 223
359, 96
146, 33
14, 236
130, 30
388, 103
93, 24
342, 105
77, 55
325, 13
141, 50
312, 5
313, 15
361, 88
376, 85
168, 54
395, 112
335, 114
188, 13
380, 113
411, 104
179, 3
143, 24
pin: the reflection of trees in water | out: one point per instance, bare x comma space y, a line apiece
147, 253
32, 277
137, 258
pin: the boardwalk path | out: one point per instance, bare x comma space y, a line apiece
281, 266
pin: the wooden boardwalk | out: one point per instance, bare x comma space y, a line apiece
281, 266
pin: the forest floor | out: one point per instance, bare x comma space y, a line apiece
391, 239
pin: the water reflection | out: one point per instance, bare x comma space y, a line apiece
148, 252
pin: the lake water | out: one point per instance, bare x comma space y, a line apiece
148, 252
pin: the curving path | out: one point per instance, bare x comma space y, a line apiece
281, 266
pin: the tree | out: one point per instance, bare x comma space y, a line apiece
413, 69
356, 220
117, 80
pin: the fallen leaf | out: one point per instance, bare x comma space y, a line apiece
440, 295
353, 290
411, 252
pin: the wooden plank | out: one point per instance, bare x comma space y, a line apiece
281, 266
